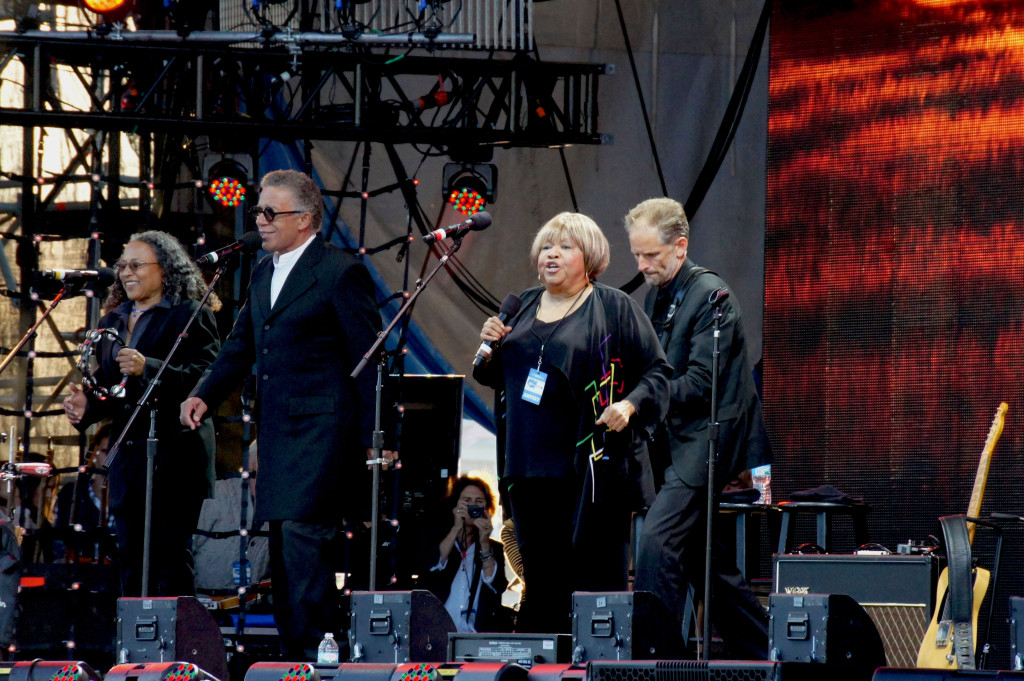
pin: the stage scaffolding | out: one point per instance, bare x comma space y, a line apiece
137, 117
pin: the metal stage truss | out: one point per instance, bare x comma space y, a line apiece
160, 82
146, 93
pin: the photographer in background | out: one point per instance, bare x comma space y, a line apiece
467, 570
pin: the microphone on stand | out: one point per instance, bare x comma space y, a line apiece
718, 296
104, 276
481, 220
509, 307
249, 242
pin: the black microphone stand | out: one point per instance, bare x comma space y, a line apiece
378, 434
713, 428
152, 440
35, 327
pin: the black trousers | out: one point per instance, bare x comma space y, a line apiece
303, 560
567, 544
672, 554
170, 566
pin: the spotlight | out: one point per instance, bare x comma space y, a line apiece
227, 180
101, 6
470, 186
111, 11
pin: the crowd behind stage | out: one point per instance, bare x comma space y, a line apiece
603, 410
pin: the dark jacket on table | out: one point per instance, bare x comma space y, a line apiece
623, 361
313, 421
490, 615
185, 458
743, 441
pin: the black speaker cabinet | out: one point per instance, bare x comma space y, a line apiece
823, 628
1017, 632
623, 625
398, 626
896, 591
169, 629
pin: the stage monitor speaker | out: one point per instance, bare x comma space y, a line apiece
165, 629
398, 626
896, 591
623, 625
823, 628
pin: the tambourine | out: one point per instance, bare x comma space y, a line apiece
89, 381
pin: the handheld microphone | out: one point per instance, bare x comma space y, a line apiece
481, 220
36, 469
104, 276
249, 242
718, 296
509, 307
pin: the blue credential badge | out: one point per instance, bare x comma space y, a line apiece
534, 387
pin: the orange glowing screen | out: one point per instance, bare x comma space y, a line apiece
894, 259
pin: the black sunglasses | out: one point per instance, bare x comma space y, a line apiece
269, 213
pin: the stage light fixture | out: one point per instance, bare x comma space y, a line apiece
227, 180
469, 187
158, 671
39, 670
110, 11
104, 6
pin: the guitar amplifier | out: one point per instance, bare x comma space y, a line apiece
897, 592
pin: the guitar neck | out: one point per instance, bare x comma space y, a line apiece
978, 492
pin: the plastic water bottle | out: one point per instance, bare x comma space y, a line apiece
327, 652
763, 482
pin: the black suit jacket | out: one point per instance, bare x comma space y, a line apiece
743, 442
185, 458
313, 421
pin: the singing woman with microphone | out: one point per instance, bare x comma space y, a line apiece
583, 378
157, 288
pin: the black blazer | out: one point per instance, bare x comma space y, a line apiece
743, 441
314, 422
185, 458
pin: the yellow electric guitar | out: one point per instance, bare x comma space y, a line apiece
937, 650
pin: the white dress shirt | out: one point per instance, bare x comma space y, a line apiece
283, 264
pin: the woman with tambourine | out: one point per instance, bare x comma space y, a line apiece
156, 290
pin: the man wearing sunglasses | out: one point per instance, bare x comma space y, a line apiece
310, 313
